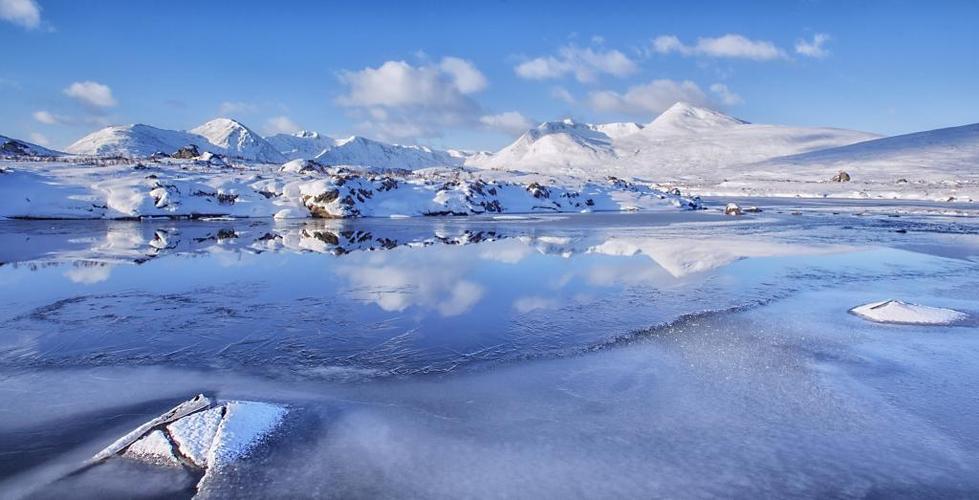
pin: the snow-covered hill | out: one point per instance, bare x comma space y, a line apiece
15, 148
685, 142
303, 145
136, 140
221, 136
358, 150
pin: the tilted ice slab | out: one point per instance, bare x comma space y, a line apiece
896, 311
199, 433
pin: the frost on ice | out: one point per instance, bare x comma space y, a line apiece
200, 434
896, 311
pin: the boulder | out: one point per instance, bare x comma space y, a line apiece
187, 152
841, 176
732, 209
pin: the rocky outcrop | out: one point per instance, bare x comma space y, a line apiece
187, 152
841, 176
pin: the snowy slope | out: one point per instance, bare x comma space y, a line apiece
685, 142
953, 152
136, 140
12, 148
238, 141
358, 150
304, 144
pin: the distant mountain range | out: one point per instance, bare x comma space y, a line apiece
685, 144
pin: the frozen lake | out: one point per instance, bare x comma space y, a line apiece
669, 354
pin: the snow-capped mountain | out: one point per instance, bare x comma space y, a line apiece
220, 136
950, 152
684, 142
358, 150
10, 147
555, 147
238, 141
136, 141
304, 144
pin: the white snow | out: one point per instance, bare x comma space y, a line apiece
153, 448
896, 311
194, 434
245, 425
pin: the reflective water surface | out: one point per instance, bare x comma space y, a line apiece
681, 354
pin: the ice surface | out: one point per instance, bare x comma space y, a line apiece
896, 311
571, 373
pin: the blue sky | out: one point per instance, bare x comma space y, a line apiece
462, 74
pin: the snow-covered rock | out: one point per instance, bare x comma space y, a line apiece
302, 166
896, 311
194, 188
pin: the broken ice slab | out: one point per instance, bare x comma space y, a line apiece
193, 405
199, 433
898, 312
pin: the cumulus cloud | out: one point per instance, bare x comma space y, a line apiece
467, 78
39, 138
281, 125
725, 95
399, 100
510, 122
93, 94
26, 13
813, 48
649, 98
586, 64
236, 108
732, 46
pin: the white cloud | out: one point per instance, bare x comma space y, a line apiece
813, 48
398, 100
727, 46
26, 13
562, 94
281, 125
650, 98
585, 64
725, 95
92, 94
236, 108
510, 122
467, 78
47, 118
39, 138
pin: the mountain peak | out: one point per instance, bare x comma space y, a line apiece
686, 116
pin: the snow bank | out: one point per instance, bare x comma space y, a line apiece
896, 311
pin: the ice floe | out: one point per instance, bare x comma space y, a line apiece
896, 311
